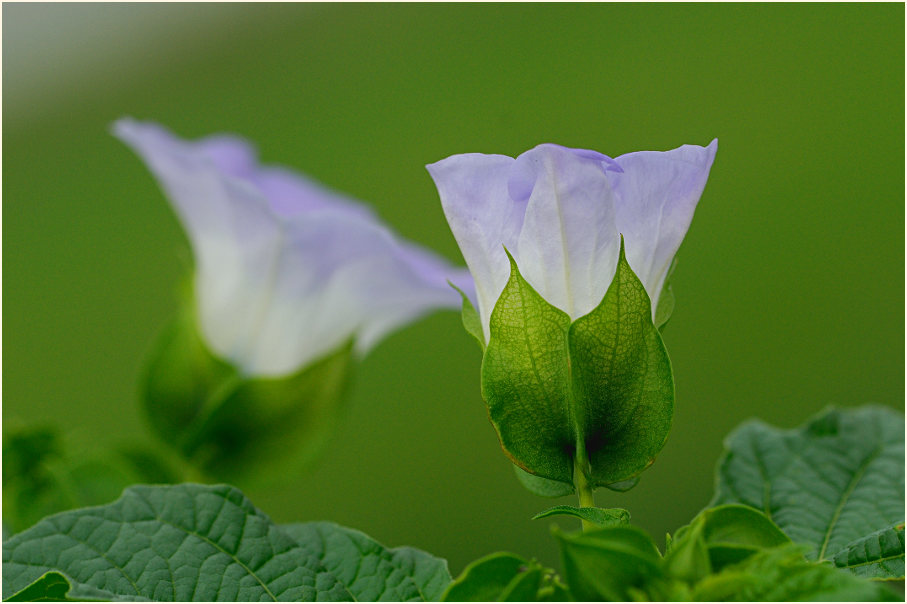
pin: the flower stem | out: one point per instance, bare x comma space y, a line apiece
581, 483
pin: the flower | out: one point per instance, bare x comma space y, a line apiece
286, 270
560, 212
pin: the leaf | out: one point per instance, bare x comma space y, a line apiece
503, 577
879, 555
830, 484
54, 587
187, 542
622, 381
545, 487
470, 316
599, 516
783, 574
600, 388
239, 429
723, 535
370, 571
609, 563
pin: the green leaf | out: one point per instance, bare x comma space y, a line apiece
622, 381
525, 381
370, 571
54, 587
688, 557
503, 577
879, 555
665, 307
240, 429
608, 564
725, 535
600, 388
783, 574
187, 542
544, 487
471, 320
830, 485
600, 516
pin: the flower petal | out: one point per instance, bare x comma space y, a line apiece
474, 191
656, 196
568, 245
286, 271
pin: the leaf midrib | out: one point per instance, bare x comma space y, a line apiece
851, 487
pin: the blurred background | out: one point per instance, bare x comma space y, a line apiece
790, 291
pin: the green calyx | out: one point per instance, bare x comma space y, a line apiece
230, 426
596, 393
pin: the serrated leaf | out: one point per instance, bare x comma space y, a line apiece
879, 555
470, 316
369, 571
830, 484
599, 516
544, 487
171, 543
622, 381
609, 563
600, 388
783, 574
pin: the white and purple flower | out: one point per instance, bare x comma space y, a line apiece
286, 270
560, 213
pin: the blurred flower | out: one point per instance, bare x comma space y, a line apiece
560, 213
286, 270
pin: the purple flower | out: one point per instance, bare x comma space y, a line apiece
287, 271
560, 213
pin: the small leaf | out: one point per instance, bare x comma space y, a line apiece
368, 570
783, 574
829, 485
622, 381
724, 535
486, 579
609, 563
187, 542
470, 316
688, 559
545, 487
599, 516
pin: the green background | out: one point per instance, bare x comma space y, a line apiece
789, 284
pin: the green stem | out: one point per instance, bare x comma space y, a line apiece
581, 483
